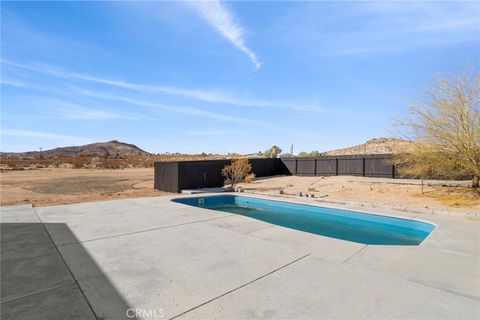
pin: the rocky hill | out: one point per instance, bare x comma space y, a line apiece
374, 146
111, 148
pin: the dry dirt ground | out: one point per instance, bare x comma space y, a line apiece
52, 186
367, 190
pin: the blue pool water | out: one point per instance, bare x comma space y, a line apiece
341, 224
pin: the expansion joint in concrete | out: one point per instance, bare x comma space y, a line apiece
262, 228
357, 252
141, 231
66, 265
240, 287
37, 292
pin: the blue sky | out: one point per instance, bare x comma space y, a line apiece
223, 76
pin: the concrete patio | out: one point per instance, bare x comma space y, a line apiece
163, 260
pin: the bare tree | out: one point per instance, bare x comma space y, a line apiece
237, 170
445, 131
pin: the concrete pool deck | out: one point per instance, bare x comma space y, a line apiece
168, 260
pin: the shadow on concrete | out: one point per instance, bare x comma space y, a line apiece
38, 281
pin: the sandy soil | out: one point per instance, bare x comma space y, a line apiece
63, 185
52, 186
361, 189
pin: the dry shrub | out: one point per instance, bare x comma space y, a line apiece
112, 163
237, 170
116, 162
78, 163
140, 161
250, 178
457, 197
11, 164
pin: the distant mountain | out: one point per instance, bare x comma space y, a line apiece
374, 146
111, 148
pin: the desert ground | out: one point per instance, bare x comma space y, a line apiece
52, 186
371, 191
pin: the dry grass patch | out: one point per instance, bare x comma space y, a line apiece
67, 185
455, 196
82, 185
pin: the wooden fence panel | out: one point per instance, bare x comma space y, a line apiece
326, 167
350, 167
306, 167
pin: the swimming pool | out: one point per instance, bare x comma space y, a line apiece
341, 224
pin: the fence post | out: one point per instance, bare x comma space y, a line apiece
296, 166
315, 167
393, 171
363, 167
336, 166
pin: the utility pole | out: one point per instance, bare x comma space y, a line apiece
41, 155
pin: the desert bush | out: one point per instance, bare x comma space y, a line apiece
11, 164
237, 170
250, 178
312, 154
112, 163
445, 131
77, 163
100, 162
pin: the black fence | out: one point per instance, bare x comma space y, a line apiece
181, 175
377, 165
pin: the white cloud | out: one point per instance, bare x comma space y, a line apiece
74, 111
189, 111
197, 94
66, 110
351, 28
44, 135
222, 19
13, 83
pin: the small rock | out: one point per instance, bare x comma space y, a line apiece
300, 194
312, 195
281, 191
